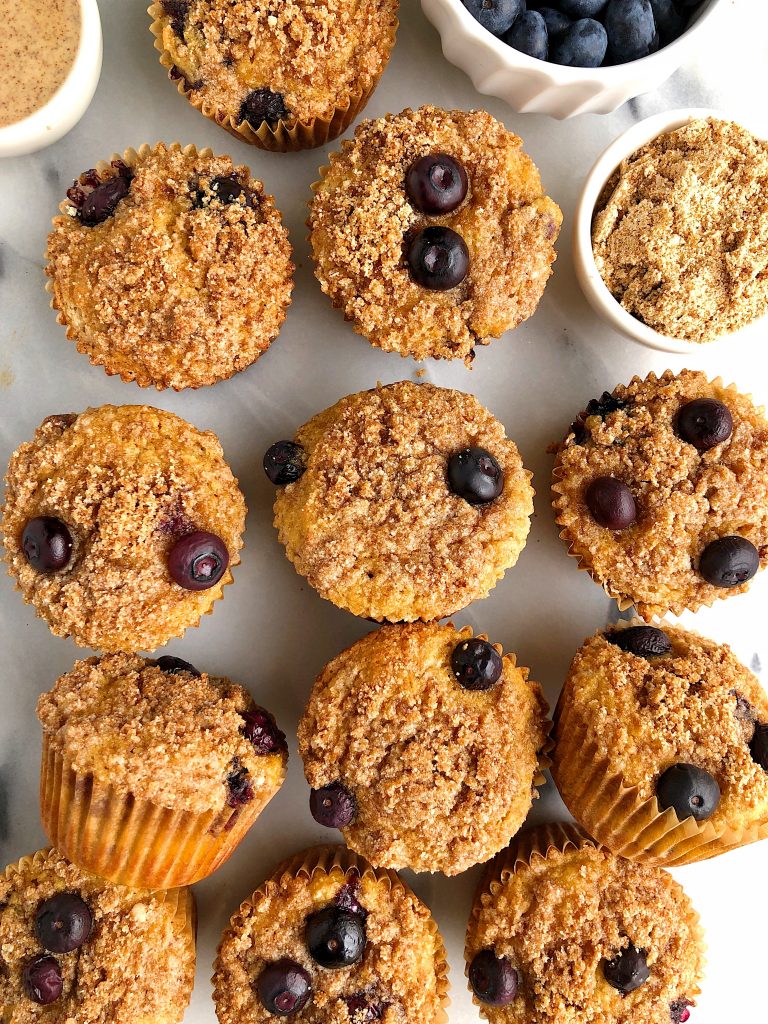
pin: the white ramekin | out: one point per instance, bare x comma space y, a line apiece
535, 86
592, 284
68, 104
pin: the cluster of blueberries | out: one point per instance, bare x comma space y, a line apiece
585, 33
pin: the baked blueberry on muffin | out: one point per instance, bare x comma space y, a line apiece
662, 745
121, 525
153, 772
432, 232
330, 938
76, 950
421, 743
400, 503
563, 932
661, 491
170, 267
281, 76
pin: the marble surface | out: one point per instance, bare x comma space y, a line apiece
273, 633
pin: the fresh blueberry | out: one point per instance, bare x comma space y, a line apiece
644, 641
583, 45
261, 730
263, 105
475, 475
167, 663
41, 978
284, 462
284, 987
438, 258
476, 664
689, 791
493, 978
670, 20
729, 561
556, 22
582, 8
198, 561
630, 28
335, 937
610, 503
63, 922
239, 787
628, 970
436, 184
47, 544
758, 746
333, 806
704, 423
495, 15
529, 35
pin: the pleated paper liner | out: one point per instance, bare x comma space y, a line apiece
285, 136
132, 841
343, 864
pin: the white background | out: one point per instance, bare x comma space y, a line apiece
273, 633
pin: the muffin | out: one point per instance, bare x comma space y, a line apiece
77, 950
170, 267
403, 502
330, 933
563, 932
281, 76
662, 745
121, 525
421, 742
153, 772
432, 232
661, 491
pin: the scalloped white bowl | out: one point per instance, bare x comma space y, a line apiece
535, 86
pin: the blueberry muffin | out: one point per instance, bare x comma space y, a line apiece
121, 525
281, 76
400, 503
662, 745
76, 950
432, 232
330, 938
421, 743
153, 772
170, 267
661, 491
564, 932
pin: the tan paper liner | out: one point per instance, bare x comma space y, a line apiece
340, 861
286, 136
132, 841
583, 558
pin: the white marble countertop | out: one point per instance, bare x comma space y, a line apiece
273, 633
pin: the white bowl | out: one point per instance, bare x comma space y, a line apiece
71, 100
592, 284
529, 85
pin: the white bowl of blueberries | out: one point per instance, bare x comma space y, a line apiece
566, 57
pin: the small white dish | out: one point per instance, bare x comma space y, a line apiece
595, 290
529, 85
68, 104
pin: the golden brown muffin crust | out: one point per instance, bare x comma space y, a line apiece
361, 216
442, 776
372, 523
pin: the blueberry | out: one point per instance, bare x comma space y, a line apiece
704, 423
198, 561
261, 730
227, 189
583, 45
284, 987
582, 8
63, 922
284, 462
529, 35
436, 184
758, 746
493, 978
644, 641
630, 28
347, 896
670, 21
335, 937
475, 475
363, 1009
729, 561
610, 503
167, 663
47, 544
628, 970
679, 1012
556, 22
239, 787
476, 664
263, 105
333, 806
438, 258
41, 978
689, 791
177, 11
100, 204
495, 15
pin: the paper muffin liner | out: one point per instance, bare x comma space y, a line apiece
132, 841
343, 863
286, 136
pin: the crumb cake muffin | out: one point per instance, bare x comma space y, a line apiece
170, 267
76, 950
281, 76
330, 938
153, 772
432, 232
121, 525
403, 502
661, 491
421, 743
563, 932
662, 745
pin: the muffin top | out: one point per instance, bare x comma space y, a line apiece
170, 267
661, 488
257, 61
373, 522
433, 735
392, 965
567, 923
174, 736
102, 507
117, 954
691, 704
368, 217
